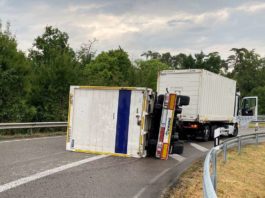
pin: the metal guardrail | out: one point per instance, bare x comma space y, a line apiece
209, 169
245, 120
31, 125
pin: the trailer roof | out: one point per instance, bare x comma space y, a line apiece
182, 71
112, 88
185, 71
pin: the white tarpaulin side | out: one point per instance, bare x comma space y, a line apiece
106, 120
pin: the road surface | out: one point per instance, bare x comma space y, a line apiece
41, 167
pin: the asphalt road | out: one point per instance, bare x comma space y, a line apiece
41, 167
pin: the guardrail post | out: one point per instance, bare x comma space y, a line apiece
256, 126
225, 154
239, 145
257, 139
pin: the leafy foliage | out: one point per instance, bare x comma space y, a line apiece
248, 69
35, 88
112, 68
14, 83
260, 92
147, 72
55, 68
211, 62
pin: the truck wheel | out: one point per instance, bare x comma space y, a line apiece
235, 132
151, 149
206, 133
177, 148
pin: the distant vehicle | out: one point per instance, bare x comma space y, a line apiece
214, 102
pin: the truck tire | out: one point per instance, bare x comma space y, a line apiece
206, 133
182, 134
151, 149
235, 132
177, 148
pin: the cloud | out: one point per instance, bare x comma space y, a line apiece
252, 7
177, 26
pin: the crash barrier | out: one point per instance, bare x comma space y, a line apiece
209, 169
250, 121
31, 125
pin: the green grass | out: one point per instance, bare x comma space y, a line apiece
242, 176
253, 125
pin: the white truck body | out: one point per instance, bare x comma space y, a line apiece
107, 120
212, 96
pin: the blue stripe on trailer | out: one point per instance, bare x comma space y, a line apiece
122, 126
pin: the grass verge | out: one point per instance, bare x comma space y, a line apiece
189, 184
253, 125
242, 176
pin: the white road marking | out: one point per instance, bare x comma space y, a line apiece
177, 157
27, 139
151, 182
46, 173
199, 147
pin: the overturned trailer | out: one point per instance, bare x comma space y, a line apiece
108, 120
117, 121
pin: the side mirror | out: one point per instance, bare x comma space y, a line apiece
183, 100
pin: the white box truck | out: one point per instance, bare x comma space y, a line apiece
108, 120
213, 101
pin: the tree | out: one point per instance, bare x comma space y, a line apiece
167, 59
178, 61
147, 72
200, 60
214, 63
14, 81
112, 68
260, 92
86, 53
151, 55
189, 62
55, 69
247, 69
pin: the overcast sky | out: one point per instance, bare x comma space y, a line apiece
137, 26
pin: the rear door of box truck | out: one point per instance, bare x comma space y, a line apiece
183, 82
105, 120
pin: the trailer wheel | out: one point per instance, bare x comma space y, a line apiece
206, 133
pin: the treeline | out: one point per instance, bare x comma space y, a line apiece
35, 87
